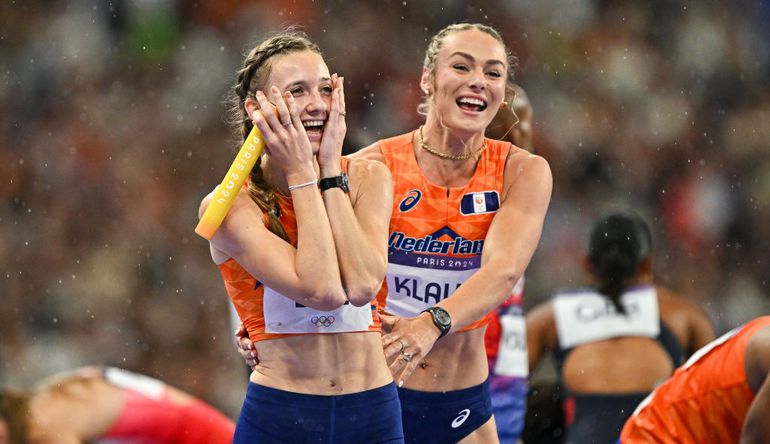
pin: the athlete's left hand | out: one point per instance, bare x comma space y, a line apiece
330, 151
406, 343
245, 347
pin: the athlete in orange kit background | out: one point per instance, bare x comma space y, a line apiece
720, 395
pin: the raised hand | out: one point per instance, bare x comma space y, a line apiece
285, 137
335, 128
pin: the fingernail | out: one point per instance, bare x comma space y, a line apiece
400, 383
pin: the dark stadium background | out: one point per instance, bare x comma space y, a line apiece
112, 130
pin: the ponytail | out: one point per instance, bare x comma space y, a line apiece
619, 244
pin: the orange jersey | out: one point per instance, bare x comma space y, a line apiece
706, 399
267, 314
436, 233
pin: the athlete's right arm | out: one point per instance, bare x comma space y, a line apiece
755, 429
307, 274
757, 365
541, 332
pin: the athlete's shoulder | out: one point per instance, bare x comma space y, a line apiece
365, 170
382, 149
520, 160
678, 307
527, 176
365, 166
371, 152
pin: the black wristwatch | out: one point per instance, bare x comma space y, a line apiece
441, 319
340, 181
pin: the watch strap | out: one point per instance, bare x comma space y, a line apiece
443, 327
340, 181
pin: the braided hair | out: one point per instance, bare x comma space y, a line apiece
618, 245
253, 77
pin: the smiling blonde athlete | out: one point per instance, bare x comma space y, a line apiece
467, 216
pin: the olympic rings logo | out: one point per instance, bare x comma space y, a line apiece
322, 321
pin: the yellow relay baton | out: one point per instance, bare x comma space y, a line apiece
225, 193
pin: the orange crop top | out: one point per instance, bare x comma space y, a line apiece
436, 233
267, 314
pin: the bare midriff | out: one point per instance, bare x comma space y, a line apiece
322, 364
456, 362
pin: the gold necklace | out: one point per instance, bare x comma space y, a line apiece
465, 156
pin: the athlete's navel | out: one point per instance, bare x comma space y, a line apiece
332, 383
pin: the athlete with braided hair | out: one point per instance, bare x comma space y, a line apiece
302, 253
598, 333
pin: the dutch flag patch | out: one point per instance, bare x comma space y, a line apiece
480, 203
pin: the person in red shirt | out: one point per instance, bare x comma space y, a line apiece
93, 403
721, 394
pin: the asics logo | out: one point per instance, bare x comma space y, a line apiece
461, 417
322, 321
411, 199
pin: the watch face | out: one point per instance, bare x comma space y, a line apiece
442, 317
344, 182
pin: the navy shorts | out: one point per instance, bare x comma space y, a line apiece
444, 417
270, 415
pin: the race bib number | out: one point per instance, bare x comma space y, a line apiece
284, 316
413, 289
588, 316
512, 359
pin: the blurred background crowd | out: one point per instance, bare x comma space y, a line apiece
113, 129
